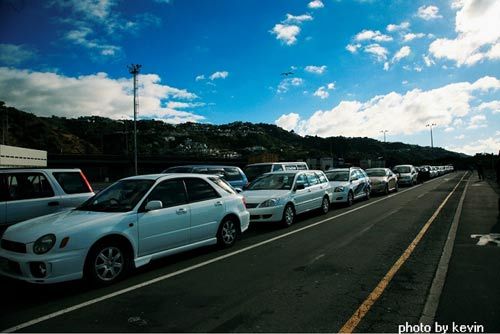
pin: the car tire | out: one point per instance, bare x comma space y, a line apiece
107, 263
386, 190
227, 233
325, 205
367, 194
288, 215
350, 199
396, 187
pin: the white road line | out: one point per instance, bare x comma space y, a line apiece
196, 266
432, 303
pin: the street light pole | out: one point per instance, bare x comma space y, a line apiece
384, 132
430, 125
134, 70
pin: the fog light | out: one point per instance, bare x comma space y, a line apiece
38, 269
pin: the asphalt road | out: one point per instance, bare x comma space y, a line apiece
310, 280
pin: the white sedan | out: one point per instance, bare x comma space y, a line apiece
280, 196
127, 225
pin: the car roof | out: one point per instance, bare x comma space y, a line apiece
38, 169
155, 177
278, 162
204, 166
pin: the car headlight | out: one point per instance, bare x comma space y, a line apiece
339, 189
44, 244
270, 202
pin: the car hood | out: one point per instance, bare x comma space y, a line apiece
334, 184
57, 223
258, 196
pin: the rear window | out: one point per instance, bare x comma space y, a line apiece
72, 182
223, 185
256, 170
232, 174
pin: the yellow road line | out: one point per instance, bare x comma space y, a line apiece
363, 309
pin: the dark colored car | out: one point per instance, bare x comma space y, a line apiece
233, 175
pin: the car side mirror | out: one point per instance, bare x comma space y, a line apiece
300, 186
153, 205
238, 190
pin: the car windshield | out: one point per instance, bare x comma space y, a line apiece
337, 175
256, 170
273, 182
375, 172
402, 169
122, 196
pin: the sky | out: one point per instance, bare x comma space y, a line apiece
350, 68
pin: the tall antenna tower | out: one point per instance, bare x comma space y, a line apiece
134, 70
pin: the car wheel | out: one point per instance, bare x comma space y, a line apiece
288, 215
350, 198
228, 232
396, 187
325, 205
367, 194
107, 263
386, 190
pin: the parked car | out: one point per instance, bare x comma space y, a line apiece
424, 173
434, 172
407, 174
280, 196
252, 171
233, 175
382, 180
27, 193
128, 224
348, 184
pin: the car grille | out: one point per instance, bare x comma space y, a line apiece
252, 205
13, 246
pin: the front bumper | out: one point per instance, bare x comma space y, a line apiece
64, 266
378, 187
338, 197
405, 181
270, 214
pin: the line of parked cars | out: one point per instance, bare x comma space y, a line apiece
141, 218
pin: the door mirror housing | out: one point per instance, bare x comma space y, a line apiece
238, 190
153, 205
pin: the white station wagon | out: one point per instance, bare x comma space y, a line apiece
280, 196
130, 223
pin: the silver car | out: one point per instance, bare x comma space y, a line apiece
280, 196
382, 180
348, 184
407, 174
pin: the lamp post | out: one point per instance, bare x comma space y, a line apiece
134, 70
384, 132
430, 125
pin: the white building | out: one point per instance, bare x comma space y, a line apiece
11, 156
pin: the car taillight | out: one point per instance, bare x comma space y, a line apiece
86, 182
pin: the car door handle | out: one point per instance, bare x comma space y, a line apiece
218, 203
54, 203
181, 211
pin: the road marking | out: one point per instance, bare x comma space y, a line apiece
363, 309
432, 302
193, 267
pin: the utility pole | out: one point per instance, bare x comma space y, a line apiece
384, 132
134, 70
430, 125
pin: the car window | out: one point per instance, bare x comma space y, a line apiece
301, 179
200, 190
301, 167
232, 174
322, 177
353, 175
337, 175
256, 170
277, 168
221, 183
170, 193
28, 186
72, 182
312, 179
290, 167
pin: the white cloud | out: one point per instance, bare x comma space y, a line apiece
47, 94
488, 145
449, 129
377, 36
288, 122
184, 105
459, 137
402, 53
353, 48
397, 27
428, 12
219, 75
11, 54
315, 4
378, 51
331, 86
315, 69
286, 33
428, 60
297, 19
321, 93
411, 36
476, 122
478, 36
200, 77
399, 113
81, 37
286, 83
494, 106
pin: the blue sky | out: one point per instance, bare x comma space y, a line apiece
358, 67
